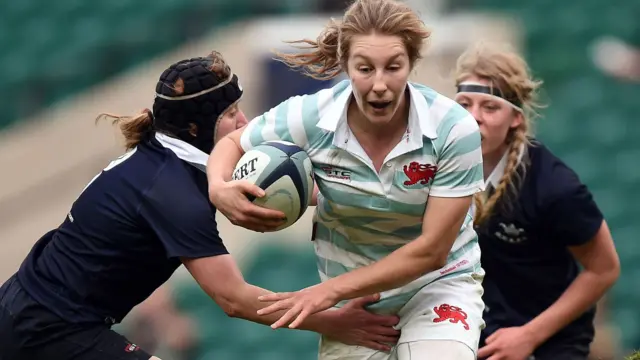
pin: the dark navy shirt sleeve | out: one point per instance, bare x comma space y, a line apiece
181, 216
572, 216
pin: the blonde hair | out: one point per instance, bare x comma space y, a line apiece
326, 57
507, 71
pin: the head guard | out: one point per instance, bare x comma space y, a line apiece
199, 99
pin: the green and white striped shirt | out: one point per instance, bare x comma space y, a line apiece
364, 215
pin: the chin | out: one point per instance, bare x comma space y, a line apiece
379, 119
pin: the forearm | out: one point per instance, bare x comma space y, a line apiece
394, 270
246, 306
583, 293
223, 159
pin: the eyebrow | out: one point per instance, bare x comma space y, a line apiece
394, 57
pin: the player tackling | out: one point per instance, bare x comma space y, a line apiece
144, 215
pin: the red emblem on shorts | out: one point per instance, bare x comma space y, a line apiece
419, 173
131, 348
452, 313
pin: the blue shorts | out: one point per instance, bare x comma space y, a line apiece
29, 331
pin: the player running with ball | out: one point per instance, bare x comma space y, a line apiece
400, 222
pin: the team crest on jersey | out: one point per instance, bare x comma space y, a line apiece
511, 234
419, 173
131, 348
452, 313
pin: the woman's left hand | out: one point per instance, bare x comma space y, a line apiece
513, 343
300, 304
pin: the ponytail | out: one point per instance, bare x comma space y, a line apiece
133, 128
321, 60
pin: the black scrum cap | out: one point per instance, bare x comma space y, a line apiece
202, 100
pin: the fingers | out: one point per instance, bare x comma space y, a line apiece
246, 220
276, 306
301, 317
263, 213
275, 297
254, 210
486, 351
385, 320
287, 317
250, 188
493, 336
383, 330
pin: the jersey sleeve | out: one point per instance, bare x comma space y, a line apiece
571, 214
292, 120
182, 218
459, 167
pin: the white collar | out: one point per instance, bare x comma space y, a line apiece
184, 151
418, 111
498, 171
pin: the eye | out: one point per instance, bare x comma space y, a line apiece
364, 69
394, 67
464, 104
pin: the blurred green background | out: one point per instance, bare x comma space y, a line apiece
53, 52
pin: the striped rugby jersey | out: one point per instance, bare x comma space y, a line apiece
363, 215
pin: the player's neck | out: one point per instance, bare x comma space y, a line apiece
490, 160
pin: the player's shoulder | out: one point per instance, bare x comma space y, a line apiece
443, 112
324, 99
307, 108
554, 178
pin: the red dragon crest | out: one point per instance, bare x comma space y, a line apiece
419, 173
452, 313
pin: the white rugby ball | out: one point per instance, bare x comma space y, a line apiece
284, 171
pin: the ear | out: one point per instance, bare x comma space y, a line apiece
518, 119
193, 129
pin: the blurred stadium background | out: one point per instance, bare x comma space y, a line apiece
63, 62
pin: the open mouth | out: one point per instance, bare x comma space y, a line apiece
379, 104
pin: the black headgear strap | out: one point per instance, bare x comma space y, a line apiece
200, 102
489, 90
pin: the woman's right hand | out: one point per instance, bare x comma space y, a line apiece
230, 198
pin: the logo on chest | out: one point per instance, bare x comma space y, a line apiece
336, 173
420, 174
511, 234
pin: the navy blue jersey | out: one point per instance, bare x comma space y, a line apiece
125, 234
525, 247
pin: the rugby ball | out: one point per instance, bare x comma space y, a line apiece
284, 171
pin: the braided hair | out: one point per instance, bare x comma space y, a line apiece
509, 74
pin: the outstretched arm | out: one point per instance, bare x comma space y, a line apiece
221, 279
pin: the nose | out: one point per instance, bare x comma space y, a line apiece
379, 84
476, 113
241, 119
